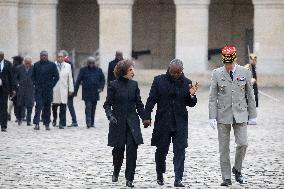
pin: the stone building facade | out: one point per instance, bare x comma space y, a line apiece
185, 29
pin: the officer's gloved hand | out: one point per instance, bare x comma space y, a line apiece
252, 121
112, 120
213, 123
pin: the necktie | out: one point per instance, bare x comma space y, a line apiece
231, 75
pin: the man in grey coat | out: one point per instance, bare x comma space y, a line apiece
231, 104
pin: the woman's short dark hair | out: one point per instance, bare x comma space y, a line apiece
121, 68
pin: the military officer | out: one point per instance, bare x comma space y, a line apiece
231, 104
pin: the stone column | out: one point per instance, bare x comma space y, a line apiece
9, 27
115, 29
268, 35
37, 27
192, 34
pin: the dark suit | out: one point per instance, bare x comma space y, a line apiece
110, 74
255, 87
25, 90
124, 103
92, 80
171, 121
5, 90
45, 77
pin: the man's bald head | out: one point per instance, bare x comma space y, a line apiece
43, 56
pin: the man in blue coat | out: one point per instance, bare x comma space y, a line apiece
45, 77
172, 92
93, 81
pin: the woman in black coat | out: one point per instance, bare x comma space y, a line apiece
123, 105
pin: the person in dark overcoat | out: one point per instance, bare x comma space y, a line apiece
123, 106
172, 92
25, 89
93, 81
17, 60
111, 66
7, 88
45, 77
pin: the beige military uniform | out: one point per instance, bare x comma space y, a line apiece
231, 103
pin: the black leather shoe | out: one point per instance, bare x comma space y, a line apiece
226, 182
129, 183
178, 183
54, 123
36, 127
61, 126
160, 179
238, 176
47, 128
19, 123
9, 117
3, 130
114, 178
29, 124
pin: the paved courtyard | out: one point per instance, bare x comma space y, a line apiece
80, 158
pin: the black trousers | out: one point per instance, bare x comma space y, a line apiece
3, 109
131, 157
179, 157
90, 112
21, 112
43, 109
62, 113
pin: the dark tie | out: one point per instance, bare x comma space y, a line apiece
231, 75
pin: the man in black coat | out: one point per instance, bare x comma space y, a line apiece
45, 77
6, 88
17, 60
111, 66
172, 92
25, 89
93, 81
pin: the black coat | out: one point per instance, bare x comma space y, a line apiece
123, 101
7, 78
25, 87
172, 97
110, 74
45, 76
92, 80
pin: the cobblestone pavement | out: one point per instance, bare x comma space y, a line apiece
80, 158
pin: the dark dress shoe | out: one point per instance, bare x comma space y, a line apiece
178, 183
160, 179
9, 117
19, 123
129, 183
54, 123
238, 176
88, 126
29, 124
47, 128
73, 125
226, 182
36, 127
3, 130
114, 178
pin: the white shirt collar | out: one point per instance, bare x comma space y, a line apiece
1, 65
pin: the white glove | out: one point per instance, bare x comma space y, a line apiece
252, 81
213, 123
0, 82
252, 121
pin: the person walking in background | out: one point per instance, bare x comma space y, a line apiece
45, 77
63, 88
111, 66
93, 81
25, 90
70, 103
7, 88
